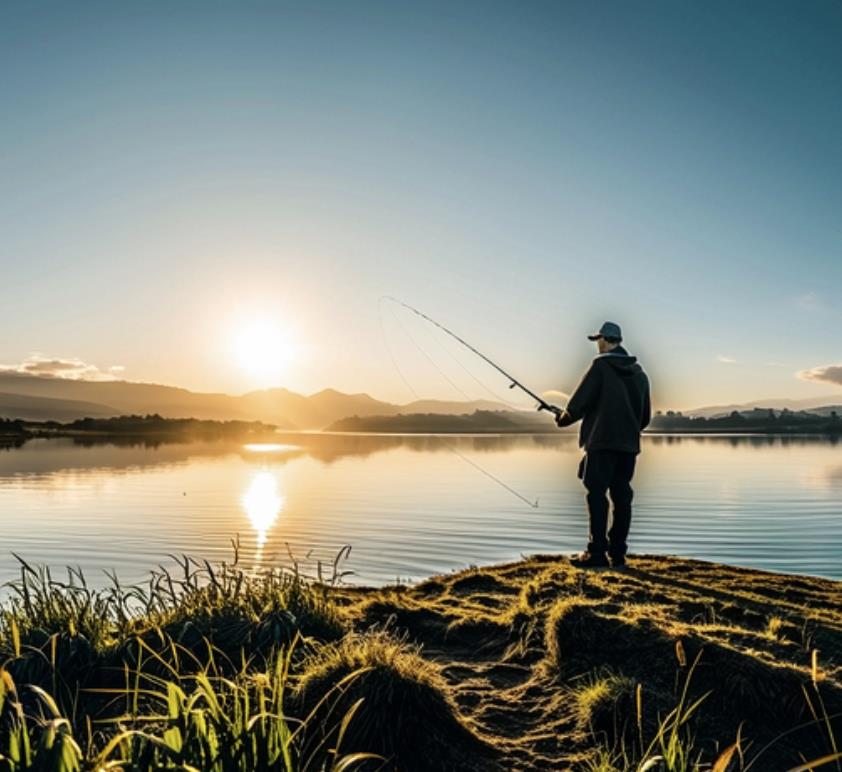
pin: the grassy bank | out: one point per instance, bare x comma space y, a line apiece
670, 664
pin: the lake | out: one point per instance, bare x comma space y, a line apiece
410, 506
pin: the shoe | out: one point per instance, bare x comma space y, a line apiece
589, 560
618, 561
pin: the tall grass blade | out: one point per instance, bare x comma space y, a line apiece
816, 763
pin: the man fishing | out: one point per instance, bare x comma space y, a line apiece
612, 401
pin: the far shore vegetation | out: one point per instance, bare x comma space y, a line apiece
134, 426
823, 421
671, 665
478, 422
757, 421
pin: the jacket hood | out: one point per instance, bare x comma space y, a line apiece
624, 364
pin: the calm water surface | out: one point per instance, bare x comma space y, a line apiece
408, 505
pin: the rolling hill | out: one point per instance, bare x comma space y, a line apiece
42, 398
32, 408
39, 398
813, 404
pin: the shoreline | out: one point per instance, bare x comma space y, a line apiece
538, 629
176, 436
563, 557
525, 665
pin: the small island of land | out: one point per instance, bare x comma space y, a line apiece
756, 421
478, 422
533, 665
133, 427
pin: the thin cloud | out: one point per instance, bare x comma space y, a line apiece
810, 301
822, 374
70, 369
725, 360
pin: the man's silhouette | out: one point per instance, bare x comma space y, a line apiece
612, 401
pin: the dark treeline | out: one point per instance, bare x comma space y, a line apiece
135, 425
757, 420
156, 424
12, 428
480, 421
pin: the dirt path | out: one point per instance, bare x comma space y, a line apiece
528, 648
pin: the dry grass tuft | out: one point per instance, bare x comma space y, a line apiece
406, 713
580, 636
605, 703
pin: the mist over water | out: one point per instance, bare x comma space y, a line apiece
407, 505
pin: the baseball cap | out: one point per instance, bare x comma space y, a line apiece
608, 330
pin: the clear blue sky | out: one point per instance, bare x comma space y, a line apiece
171, 173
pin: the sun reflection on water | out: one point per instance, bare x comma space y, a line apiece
263, 502
270, 447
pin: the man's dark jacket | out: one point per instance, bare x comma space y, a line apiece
612, 400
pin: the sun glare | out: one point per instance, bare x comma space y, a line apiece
263, 350
263, 502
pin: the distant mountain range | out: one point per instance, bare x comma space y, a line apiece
34, 408
819, 405
38, 398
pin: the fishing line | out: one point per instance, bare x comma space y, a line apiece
475, 465
514, 382
439, 438
483, 386
454, 358
424, 352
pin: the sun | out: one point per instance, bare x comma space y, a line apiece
263, 349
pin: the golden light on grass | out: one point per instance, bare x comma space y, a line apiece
263, 503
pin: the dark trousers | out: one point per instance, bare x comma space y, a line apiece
602, 472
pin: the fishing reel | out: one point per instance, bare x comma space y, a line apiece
556, 411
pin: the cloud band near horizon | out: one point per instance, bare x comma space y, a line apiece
67, 368
823, 374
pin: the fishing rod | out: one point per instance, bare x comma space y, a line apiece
514, 382
445, 443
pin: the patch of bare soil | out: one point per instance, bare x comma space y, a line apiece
554, 667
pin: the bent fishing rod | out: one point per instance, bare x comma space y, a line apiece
514, 383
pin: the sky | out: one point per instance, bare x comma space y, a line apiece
216, 195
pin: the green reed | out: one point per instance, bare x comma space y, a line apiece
191, 670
